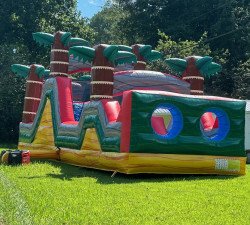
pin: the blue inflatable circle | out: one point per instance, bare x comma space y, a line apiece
223, 125
176, 123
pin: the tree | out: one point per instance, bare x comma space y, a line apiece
178, 49
19, 19
105, 25
242, 80
226, 22
182, 19
12, 89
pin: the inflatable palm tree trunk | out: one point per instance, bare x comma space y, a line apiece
34, 85
193, 76
141, 63
102, 74
59, 62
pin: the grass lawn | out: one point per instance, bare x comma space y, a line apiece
47, 192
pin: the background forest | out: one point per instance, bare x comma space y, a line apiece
177, 28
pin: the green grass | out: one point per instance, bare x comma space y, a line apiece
47, 192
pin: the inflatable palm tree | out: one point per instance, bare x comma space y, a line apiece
34, 84
144, 54
61, 42
194, 69
104, 59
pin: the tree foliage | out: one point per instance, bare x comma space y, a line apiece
242, 80
19, 19
12, 89
179, 49
106, 25
189, 20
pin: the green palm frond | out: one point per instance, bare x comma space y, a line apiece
78, 42
203, 62
153, 55
43, 38
46, 73
86, 54
211, 69
145, 49
124, 48
20, 70
176, 65
124, 57
110, 52
65, 38
85, 78
40, 71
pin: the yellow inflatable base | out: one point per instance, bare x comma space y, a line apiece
133, 163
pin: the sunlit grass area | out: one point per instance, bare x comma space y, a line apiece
48, 192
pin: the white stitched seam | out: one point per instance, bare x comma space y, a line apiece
59, 62
58, 73
101, 96
102, 68
34, 82
102, 82
31, 113
193, 77
59, 50
31, 98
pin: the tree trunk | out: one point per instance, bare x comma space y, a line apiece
33, 93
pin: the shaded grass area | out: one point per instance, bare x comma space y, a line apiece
49, 192
4, 146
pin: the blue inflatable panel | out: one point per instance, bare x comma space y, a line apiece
78, 107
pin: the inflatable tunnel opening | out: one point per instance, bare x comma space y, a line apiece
214, 124
167, 121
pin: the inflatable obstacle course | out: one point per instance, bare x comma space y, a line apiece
132, 121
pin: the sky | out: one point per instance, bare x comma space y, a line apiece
89, 8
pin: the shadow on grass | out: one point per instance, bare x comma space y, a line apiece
104, 177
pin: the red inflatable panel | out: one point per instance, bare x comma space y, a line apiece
112, 109
209, 122
71, 123
125, 118
157, 123
65, 100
